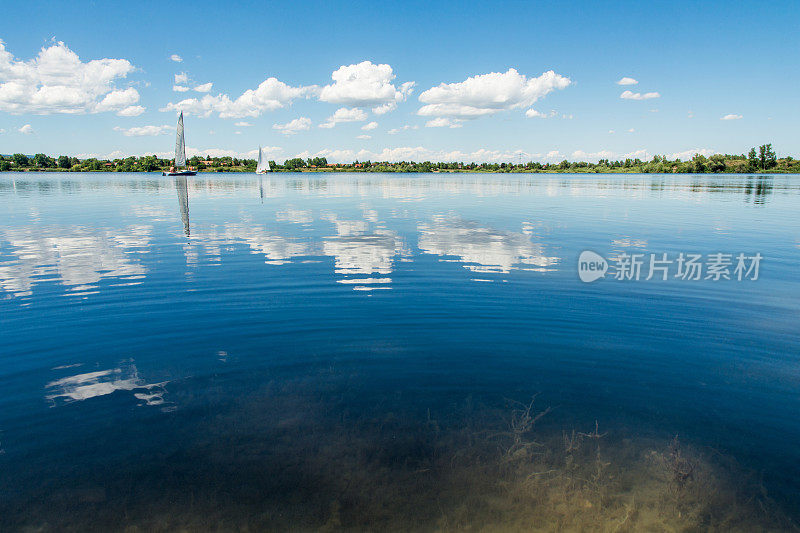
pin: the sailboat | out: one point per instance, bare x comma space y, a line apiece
263, 166
180, 154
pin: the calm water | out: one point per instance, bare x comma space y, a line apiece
326, 352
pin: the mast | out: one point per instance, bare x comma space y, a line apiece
180, 144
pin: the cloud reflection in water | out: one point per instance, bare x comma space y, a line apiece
89, 385
482, 249
360, 252
77, 256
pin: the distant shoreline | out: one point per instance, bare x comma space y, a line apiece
762, 160
369, 171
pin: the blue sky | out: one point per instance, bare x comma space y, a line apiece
694, 65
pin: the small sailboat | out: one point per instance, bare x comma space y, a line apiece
180, 154
263, 165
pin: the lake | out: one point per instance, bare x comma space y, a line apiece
397, 351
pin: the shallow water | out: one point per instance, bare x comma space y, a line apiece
355, 351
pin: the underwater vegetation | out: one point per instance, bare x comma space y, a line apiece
289, 458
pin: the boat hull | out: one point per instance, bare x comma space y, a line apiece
262, 172
182, 173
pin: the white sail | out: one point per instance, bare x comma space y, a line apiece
263, 165
180, 145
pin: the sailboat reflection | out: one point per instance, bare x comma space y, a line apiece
183, 201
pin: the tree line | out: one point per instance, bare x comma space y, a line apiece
760, 159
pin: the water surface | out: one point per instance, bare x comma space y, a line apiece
356, 351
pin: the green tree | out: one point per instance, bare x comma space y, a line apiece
770, 159
21, 160
752, 160
64, 162
150, 163
92, 164
42, 161
699, 163
716, 163
294, 163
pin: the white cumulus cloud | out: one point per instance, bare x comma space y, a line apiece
26, 129
57, 81
638, 154
293, 126
731, 117
688, 154
366, 85
580, 155
118, 100
243, 124
630, 95
144, 131
179, 88
131, 111
420, 153
330, 155
486, 94
268, 151
443, 122
371, 126
627, 81
344, 114
385, 108
204, 87
271, 94
181, 77
532, 113
406, 127
364, 137
176, 58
